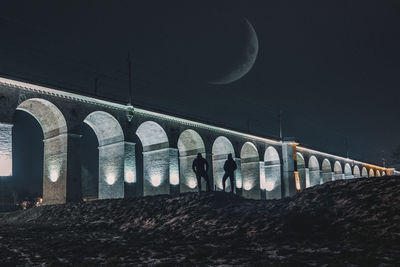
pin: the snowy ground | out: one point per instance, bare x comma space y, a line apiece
348, 222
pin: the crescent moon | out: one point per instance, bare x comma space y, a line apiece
246, 60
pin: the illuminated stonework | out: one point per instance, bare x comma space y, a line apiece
54, 128
160, 158
250, 165
272, 173
337, 171
220, 150
326, 175
156, 158
130, 163
111, 154
356, 172
313, 166
5, 149
189, 144
347, 171
303, 172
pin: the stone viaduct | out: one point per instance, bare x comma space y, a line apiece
146, 153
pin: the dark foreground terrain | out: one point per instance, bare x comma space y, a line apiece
348, 222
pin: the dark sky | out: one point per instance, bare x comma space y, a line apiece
332, 67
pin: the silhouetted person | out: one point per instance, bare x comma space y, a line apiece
200, 168
229, 168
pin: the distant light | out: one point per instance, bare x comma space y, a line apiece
297, 180
174, 179
54, 175
130, 176
155, 180
110, 179
269, 185
248, 185
192, 183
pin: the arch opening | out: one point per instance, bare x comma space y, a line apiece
327, 175
364, 172
313, 167
371, 173
55, 137
190, 144
338, 171
156, 158
347, 171
304, 178
220, 150
378, 173
250, 166
356, 172
111, 155
271, 180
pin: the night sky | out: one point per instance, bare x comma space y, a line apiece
332, 67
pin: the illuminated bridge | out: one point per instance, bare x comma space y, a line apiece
146, 153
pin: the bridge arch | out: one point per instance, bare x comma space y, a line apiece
156, 158
313, 166
250, 165
190, 144
338, 171
347, 171
55, 142
304, 179
371, 173
378, 173
110, 139
364, 172
220, 150
326, 171
383, 173
271, 180
356, 172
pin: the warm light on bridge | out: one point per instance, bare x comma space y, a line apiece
297, 180
130, 176
111, 179
248, 185
192, 183
155, 180
5, 165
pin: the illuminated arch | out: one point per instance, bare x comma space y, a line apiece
152, 136
347, 171
338, 171
383, 173
364, 172
111, 154
313, 167
356, 172
327, 174
371, 173
271, 180
55, 135
220, 150
378, 173
304, 179
156, 158
250, 165
189, 144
